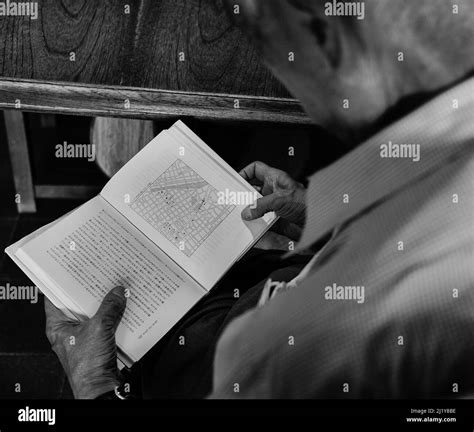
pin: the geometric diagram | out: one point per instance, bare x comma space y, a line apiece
182, 206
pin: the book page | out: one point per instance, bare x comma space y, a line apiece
95, 249
181, 197
11, 251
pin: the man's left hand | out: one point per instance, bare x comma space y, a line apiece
87, 349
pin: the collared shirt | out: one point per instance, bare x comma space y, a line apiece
387, 308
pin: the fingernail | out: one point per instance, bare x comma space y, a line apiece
246, 214
119, 290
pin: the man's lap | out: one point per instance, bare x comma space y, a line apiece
180, 365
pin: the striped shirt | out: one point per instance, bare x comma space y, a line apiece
386, 309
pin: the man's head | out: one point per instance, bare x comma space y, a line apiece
349, 62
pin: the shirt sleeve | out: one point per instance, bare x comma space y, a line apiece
413, 339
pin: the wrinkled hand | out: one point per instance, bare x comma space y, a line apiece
87, 349
281, 194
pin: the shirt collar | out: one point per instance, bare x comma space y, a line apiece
442, 128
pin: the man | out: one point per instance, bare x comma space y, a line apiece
384, 308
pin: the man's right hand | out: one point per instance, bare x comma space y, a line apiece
281, 194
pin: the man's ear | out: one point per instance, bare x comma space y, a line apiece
327, 33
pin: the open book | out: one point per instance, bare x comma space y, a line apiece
166, 227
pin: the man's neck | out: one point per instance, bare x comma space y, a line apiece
404, 107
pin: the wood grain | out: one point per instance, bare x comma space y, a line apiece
82, 99
140, 49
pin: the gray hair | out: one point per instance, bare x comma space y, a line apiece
442, 26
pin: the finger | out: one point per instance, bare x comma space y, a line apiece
55, 320
262, 206
112, 308
256, 170
53, 314
287, 229
257, 185
272, 241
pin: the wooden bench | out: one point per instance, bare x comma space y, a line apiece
136, 59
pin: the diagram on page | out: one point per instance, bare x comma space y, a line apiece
182, 206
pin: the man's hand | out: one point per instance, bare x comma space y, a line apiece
281, 194
87, 349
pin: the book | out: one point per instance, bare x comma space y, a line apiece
166, 227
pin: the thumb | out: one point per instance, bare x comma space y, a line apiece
259, 208
112, 308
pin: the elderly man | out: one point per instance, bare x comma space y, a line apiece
384, 306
